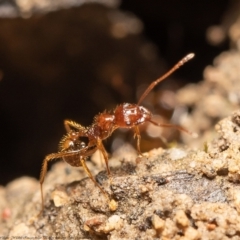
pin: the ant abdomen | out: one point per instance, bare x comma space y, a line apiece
129, 115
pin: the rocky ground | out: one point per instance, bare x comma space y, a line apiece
177, 193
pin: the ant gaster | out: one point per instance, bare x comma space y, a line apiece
126, 115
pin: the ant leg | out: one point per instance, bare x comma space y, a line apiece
71, 124
86, 169
138, 136
179, 128
47, 159
105, 155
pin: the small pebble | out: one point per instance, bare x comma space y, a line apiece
181, 219
157, 222
191, 234
113, 205
59, 198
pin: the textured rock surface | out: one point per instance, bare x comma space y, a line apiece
194, 195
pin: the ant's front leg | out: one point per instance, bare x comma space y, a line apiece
138, 136
47, 159
71, 124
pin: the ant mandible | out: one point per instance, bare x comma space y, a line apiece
126, 115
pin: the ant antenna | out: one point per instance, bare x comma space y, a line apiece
173, 69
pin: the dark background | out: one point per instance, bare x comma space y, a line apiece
179, 27
62, 65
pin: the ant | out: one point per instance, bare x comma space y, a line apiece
126, 115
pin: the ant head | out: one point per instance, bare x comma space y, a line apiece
71, 141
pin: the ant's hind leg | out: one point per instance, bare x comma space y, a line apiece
138, 136
179, 128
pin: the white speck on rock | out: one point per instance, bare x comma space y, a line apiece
176, 153
59, 198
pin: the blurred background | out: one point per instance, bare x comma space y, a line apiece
73, 59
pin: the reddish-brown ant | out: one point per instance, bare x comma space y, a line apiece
126, 115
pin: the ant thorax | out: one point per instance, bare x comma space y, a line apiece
102, 127
128, 115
